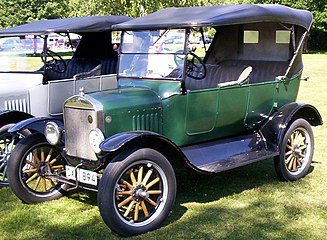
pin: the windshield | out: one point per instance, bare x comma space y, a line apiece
23, 54
152, 54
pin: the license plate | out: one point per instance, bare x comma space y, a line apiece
84, 176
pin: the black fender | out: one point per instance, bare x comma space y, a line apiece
122, 144
276, 126
13, 116
36, 124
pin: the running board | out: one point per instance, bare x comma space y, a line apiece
221, 155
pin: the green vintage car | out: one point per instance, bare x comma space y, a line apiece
211, 107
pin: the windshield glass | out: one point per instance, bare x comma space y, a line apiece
152, 54
23, 54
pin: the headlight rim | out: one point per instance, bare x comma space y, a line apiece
57, 131
99, 133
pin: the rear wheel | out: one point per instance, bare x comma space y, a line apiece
136, 194
296, 151
29, 167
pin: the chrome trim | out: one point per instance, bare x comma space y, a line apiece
96, 105
82, 114
20, 104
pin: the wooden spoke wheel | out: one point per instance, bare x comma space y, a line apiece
296, 151
136, 194
7, 144
5, 148
29, 167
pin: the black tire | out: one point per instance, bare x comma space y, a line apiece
296, 151
125, 204
32, 157
7, 143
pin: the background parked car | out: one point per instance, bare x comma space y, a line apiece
11, 44
37, 84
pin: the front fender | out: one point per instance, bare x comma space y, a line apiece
13, 116
35, 123
123, 144
276, 126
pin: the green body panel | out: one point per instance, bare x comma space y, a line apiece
196, 116
130, 109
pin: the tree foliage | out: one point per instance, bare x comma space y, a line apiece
15, 12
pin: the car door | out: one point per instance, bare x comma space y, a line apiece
201, 111
262, 99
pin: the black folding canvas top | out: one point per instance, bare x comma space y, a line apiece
219, 16
74, 25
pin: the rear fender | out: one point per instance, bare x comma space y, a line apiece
11, 116
34, 124
276, 126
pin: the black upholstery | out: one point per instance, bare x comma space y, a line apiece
74, 66
83, 67
228, 71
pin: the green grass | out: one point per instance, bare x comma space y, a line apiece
244, 203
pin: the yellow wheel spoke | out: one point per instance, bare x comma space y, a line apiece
289, 147
42, 155
145, 210
31, 163
37, 183
147, 176
294, 164
292, 139
288, 159
34, 170
32, 178
44, 185
130, 206
136, 212
289, 152
127, 200
152, 183
298, 162
127, 184
290, 163
125, 193
35, 157
133, 178
57, 166
140, 175
297, 136
54, 160
303, 147
301, 155
152, 202
49, 155
154, 192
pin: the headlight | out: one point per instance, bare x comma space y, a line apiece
95, 138
52, 133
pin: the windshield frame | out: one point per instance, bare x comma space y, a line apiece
182, 52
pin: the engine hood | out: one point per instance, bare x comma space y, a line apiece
124, 108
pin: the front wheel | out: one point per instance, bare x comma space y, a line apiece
296, 151
29, 167
136, 194
7, 144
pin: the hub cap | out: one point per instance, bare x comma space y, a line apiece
139, 193
297, 150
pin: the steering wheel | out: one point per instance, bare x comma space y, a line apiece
56, 63
193, 70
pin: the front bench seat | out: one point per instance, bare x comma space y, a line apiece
74, 66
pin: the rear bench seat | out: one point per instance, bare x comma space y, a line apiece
228, 72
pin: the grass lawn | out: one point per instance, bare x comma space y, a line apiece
244, 203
